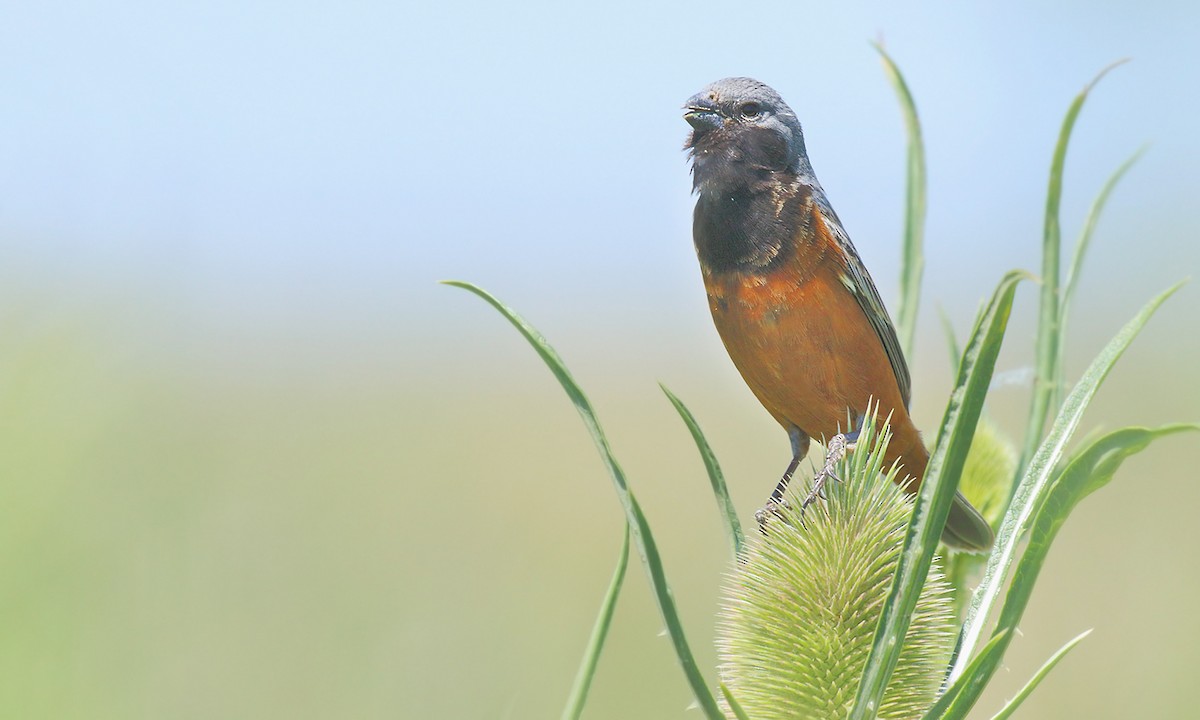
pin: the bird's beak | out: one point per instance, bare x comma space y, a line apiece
701, 113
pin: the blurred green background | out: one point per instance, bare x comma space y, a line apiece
258, 464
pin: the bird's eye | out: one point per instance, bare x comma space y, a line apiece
750, 110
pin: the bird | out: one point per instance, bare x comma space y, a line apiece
790, 297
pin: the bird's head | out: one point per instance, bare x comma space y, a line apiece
742, 133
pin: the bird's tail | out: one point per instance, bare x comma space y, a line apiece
965, 528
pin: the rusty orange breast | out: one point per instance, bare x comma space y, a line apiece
802, 343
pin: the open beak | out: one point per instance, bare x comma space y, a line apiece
701, 113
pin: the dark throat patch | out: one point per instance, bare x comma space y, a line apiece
750, 205
750, 231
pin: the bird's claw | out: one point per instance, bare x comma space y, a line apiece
838, 445
773, 508
817, 492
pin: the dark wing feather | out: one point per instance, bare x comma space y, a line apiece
859, 282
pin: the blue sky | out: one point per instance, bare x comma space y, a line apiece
309, 172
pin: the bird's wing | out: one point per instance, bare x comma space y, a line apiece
858, 281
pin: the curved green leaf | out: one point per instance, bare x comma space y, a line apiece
951, 339
988, 654
638, 525
738, 712
1089, 227
591, 656
1048, 347
733, 527
912, 257
1040, 675
1081, 248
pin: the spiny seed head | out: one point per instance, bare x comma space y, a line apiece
799, 612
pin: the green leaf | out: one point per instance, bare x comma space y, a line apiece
951, 339
1029, 494
986, 482
1094, 467
639, 526
738, 712
591, 656
1036, 680
990, 653
1081, 248
1089, 227
936, 494
1048, 349
912, 258
733, 528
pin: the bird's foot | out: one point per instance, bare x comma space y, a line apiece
773, 509
776, 504
836, 450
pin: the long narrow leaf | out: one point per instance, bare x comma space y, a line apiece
733, 527
936, 494
951, 339
986, 655
639, 526
1049, 341
1087, 471
1012, 705
591, 656
1089, 227
1029, 493
1081, 248
738, 712
912, 257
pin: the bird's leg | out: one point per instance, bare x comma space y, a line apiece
800, 443
799, 450
835, 450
